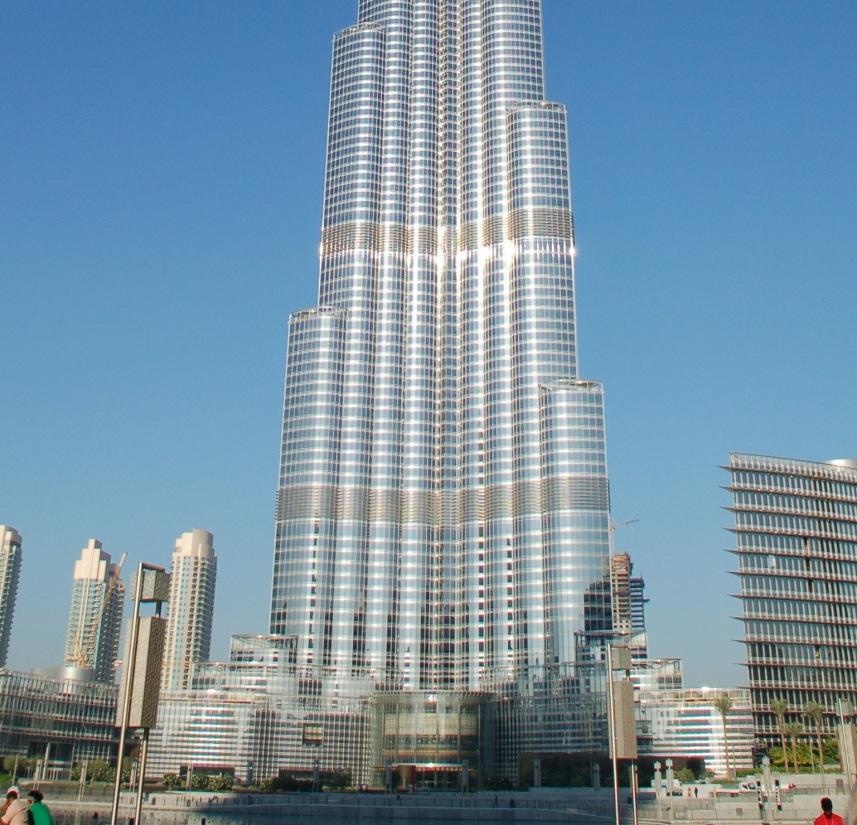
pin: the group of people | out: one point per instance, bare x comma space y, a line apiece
25, 811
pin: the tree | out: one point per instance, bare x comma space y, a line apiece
793, 730
685, 775
775, 754
831, 749
815, 712
780, 707
723, 703
100, 771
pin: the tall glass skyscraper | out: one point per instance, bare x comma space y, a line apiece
443, 508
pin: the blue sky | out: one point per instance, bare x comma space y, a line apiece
161, 169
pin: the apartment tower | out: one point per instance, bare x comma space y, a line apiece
10, 571
443, 506
95, 615
191, 608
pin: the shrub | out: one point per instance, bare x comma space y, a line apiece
172, 781
221, 782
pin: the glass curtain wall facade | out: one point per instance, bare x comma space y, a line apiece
260, 714
70, 717
443, 505
796, 546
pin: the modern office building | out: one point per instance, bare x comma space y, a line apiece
10, 571
95, 615
686, 724
796, 548
191, 608
443, 507
62, 717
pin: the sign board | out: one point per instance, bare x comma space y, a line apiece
156, 586
147, 675
621, 657
625, 735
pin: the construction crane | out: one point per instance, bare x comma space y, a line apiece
614, 526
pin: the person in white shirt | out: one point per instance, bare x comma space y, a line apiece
16, 809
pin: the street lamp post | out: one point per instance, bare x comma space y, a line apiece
611, 724
620, 722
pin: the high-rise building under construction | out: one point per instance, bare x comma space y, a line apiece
95, 613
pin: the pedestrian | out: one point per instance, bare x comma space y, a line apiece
16, 809
827, 816
41, 813
12, 793
696, 793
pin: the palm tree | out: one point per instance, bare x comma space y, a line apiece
793, 730
815, 711
780, 707
723, 703
809, 740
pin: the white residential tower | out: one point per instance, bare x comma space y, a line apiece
191, 608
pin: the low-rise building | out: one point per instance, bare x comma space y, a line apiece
63, 716
687, 724
256, 714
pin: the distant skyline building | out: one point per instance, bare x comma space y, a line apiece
10, 573
796, 548
193, 576
95, 614
443, 508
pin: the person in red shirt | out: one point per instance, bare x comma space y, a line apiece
827, 816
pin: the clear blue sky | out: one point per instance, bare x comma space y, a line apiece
160, 185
